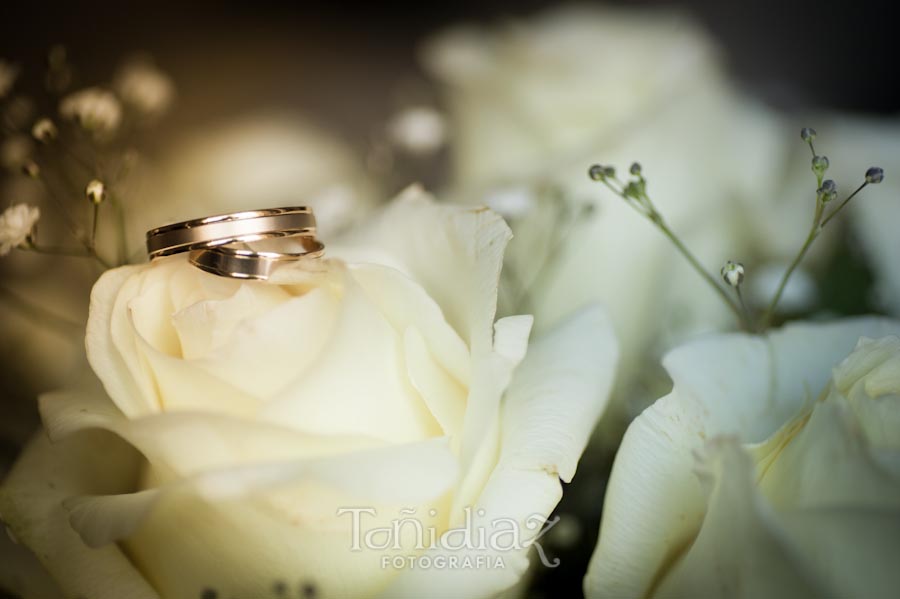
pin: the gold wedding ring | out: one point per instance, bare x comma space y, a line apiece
234, 263
223, 229
211, 241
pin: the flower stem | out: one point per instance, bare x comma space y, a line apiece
748, 318
644, 205
844, 203
810, 238
695, 263
94, 221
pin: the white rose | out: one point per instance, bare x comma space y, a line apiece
538, 102
770, 470
246, 414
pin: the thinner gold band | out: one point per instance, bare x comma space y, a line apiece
236, 263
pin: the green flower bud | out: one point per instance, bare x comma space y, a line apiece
635, 169
807, 134
820, 164
828, 191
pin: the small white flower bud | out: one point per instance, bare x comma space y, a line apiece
875, 175
95, 192
44, 130
31, 169
807, 134
635, 169
733, 273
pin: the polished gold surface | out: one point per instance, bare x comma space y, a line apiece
236, 263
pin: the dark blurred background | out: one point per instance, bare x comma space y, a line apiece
347, 65
322, 57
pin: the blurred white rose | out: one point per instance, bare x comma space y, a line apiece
535, 103
246, 414
418, 130
876, 213
256, 162
770, 470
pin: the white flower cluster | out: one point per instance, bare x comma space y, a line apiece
16, 224
95, 109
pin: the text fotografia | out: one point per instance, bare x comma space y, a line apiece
480, 545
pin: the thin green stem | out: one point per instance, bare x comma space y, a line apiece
94, 221
748, 317
644, 206
810, 238
695, 263
844, 203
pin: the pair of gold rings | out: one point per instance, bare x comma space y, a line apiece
212, 241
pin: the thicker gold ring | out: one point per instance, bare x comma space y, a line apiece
236, 263
222, 229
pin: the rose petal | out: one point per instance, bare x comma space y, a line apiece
575, 366
405, 303
409, 474
358, 386
740, 549
187, 443
31, 503
455, 253
559, 392
119, 370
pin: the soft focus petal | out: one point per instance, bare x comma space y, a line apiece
31, 504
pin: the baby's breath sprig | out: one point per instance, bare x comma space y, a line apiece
826, 193
634, 192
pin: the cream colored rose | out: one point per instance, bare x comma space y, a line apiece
771, 470
236, 420
535, 103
